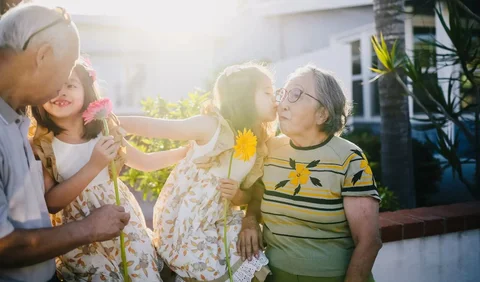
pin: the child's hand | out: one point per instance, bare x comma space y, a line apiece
104, 152
228, 188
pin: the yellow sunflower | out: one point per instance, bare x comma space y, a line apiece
366, 168
245, 145
300, 175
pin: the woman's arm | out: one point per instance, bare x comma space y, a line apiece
230, 190
198, 128
60, 195
363, 219
250, 240
153, 161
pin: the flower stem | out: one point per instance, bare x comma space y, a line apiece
225, 242
113, 168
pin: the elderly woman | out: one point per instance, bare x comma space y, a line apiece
319, 203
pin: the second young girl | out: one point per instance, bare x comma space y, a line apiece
75, 158
188, 215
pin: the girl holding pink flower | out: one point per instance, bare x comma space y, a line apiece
75, 156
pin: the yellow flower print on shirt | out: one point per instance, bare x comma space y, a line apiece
300, 175
364, 167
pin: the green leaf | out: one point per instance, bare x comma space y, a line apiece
316, 181
297, 190
281, 184
151, 183
357, 177
293, 164
376, 77
313, 164
377, 70
393, 52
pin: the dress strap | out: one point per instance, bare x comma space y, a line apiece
42, 146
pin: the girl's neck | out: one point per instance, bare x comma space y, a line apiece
73, 129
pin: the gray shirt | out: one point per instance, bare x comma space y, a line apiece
22, 202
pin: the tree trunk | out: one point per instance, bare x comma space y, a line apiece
397, 158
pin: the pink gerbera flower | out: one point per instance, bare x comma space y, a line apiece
98, 110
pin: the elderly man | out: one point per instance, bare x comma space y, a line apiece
38, 48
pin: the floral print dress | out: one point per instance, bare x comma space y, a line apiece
188, 216
99, 261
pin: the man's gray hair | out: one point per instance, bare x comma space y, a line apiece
329, 91
21, 21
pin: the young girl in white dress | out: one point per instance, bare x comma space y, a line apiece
188, 215
77, 181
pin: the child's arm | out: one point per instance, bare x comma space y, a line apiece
153, 161
59, 195
198, 128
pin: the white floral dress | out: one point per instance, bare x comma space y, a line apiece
98, 261
188, 216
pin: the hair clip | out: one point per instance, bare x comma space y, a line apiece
232, 69
88, 66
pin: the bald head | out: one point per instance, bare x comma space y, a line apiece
21, 22
36, 71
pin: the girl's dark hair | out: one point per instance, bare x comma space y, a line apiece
91, 93
234, 94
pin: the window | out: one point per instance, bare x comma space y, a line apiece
467, 92
357, 96
375, 98
356, 59
423, 51
424, 56
357, 88
430, 81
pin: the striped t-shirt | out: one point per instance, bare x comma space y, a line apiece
305, 226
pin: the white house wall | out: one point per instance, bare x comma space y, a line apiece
176, 64
335, 58
279, 38
307, 32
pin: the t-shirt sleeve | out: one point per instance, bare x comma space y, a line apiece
359, 180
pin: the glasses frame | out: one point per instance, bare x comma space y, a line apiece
65, 17
286, 94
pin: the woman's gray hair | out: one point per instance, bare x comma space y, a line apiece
21, 21
329, 91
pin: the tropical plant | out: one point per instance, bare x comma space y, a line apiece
453, 104
151, 183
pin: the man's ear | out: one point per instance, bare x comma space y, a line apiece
43, 53
321, 116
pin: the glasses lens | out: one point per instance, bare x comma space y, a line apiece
294, 95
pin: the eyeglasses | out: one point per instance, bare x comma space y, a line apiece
292, 96
65, 17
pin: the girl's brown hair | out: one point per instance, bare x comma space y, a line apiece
234, 94
91, 93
